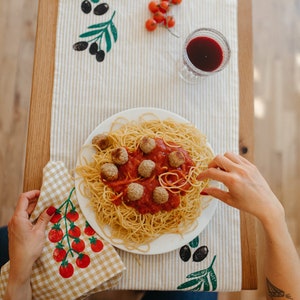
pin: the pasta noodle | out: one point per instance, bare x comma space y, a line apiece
126, 224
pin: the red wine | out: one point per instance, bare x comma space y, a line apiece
205, 53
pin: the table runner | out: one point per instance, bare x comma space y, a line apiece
139, 69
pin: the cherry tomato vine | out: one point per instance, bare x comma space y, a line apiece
69, 240
161, 14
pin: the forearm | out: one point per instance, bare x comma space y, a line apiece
247, 190
16, 291
282, 264
26, 242
18, 286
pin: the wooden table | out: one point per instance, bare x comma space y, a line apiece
38, 140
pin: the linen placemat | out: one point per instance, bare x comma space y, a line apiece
137, 68
75, 261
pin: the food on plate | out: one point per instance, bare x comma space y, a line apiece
119, 156
135, 191
147, 144
160, 195
176, 159
144, 184
109, 171
146, 168
101, 140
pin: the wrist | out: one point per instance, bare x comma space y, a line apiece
17, 290
18, 274
271, 211
274, 222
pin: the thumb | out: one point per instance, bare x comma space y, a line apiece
45, 217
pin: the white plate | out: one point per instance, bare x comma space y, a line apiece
166, 242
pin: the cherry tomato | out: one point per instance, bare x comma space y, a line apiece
159, 17
78, 245
55, 234
82, 261
164, 6
56, 217
170, 21
59, 254
88, 230
176, 1
74, 231
66, 269
151, 24
96, 245
72, 215
153, 6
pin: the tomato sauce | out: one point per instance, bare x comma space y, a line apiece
129, 173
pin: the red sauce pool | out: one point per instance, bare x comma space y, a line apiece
129, 173
205, 53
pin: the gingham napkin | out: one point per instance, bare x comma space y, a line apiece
75, 261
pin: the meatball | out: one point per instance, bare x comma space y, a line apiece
147, 144
119, 156
146, 168
109, 171
101, 140
176, 159
135, 191
160, 195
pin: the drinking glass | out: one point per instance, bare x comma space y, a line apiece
205, 52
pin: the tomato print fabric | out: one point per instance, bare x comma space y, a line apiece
75, 262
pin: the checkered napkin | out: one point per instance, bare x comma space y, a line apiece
75, 261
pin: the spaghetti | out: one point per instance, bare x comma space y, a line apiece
128, 225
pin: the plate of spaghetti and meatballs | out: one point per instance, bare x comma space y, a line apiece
136, 181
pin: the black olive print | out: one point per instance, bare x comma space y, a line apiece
93, 48
86, 6
80, 46
200, 254
185, 253
100, 55
101, 9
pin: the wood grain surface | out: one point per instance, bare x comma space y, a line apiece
246, 137
38, 139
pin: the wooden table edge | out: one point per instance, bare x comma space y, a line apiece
39, 126
246, 134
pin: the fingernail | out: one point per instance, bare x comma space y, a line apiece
203, 193
51, 210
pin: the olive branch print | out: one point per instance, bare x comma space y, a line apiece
98, 37
203, 280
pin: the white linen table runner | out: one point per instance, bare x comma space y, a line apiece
139, 69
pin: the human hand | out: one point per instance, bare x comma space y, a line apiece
247, 189
26, 240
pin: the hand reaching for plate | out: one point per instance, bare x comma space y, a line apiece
247, 190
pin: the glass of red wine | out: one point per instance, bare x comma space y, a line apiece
205, 52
